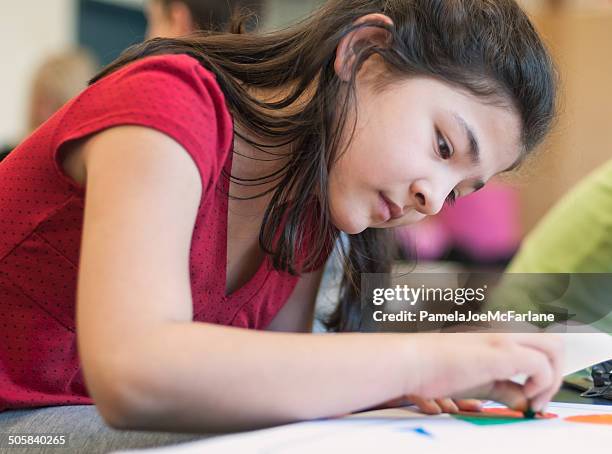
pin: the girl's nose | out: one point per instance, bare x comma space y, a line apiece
426, 200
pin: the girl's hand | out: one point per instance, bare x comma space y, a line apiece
434, 406
481, 366
445, 405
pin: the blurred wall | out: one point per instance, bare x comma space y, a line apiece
279, 13
107, 28
581, 40
579, 33
29, 31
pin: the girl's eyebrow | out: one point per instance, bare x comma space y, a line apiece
474, 147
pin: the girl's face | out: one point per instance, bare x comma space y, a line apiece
418, 144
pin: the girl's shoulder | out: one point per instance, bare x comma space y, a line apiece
162, 68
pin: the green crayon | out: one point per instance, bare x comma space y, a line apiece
529, 413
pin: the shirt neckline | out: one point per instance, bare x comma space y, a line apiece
247, 289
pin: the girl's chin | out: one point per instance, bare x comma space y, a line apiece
354, 225
352, 229
349, 226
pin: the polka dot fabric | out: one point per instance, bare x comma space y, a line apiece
41, 216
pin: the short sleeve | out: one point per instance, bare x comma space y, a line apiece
173, 94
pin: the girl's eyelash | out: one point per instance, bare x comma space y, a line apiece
451, 198
444, 149
445, 153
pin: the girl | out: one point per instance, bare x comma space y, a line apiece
195, 188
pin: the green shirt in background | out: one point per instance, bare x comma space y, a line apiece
575, 237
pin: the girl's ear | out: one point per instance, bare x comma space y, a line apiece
345, 52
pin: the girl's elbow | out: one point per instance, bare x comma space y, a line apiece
115, 406
118, 397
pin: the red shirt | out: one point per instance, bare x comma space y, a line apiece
41, 214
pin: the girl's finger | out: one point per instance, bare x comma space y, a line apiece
468, 404
519, 358
542, 381
428, 406
502, 391
447, 405
510, 394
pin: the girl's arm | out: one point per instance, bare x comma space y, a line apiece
146, 363
148, 366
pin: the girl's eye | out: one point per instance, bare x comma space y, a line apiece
443, 148
451, 198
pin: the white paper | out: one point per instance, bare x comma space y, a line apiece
373, 432
585, 349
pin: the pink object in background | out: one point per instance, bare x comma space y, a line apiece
484, 226
430, 238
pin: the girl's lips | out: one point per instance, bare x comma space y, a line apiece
394, 210
387, 209
384, 210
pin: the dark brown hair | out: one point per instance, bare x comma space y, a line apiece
487, 47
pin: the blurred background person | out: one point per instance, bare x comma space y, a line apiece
174, 18
56, 80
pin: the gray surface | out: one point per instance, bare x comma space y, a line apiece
85, 428
89, 434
